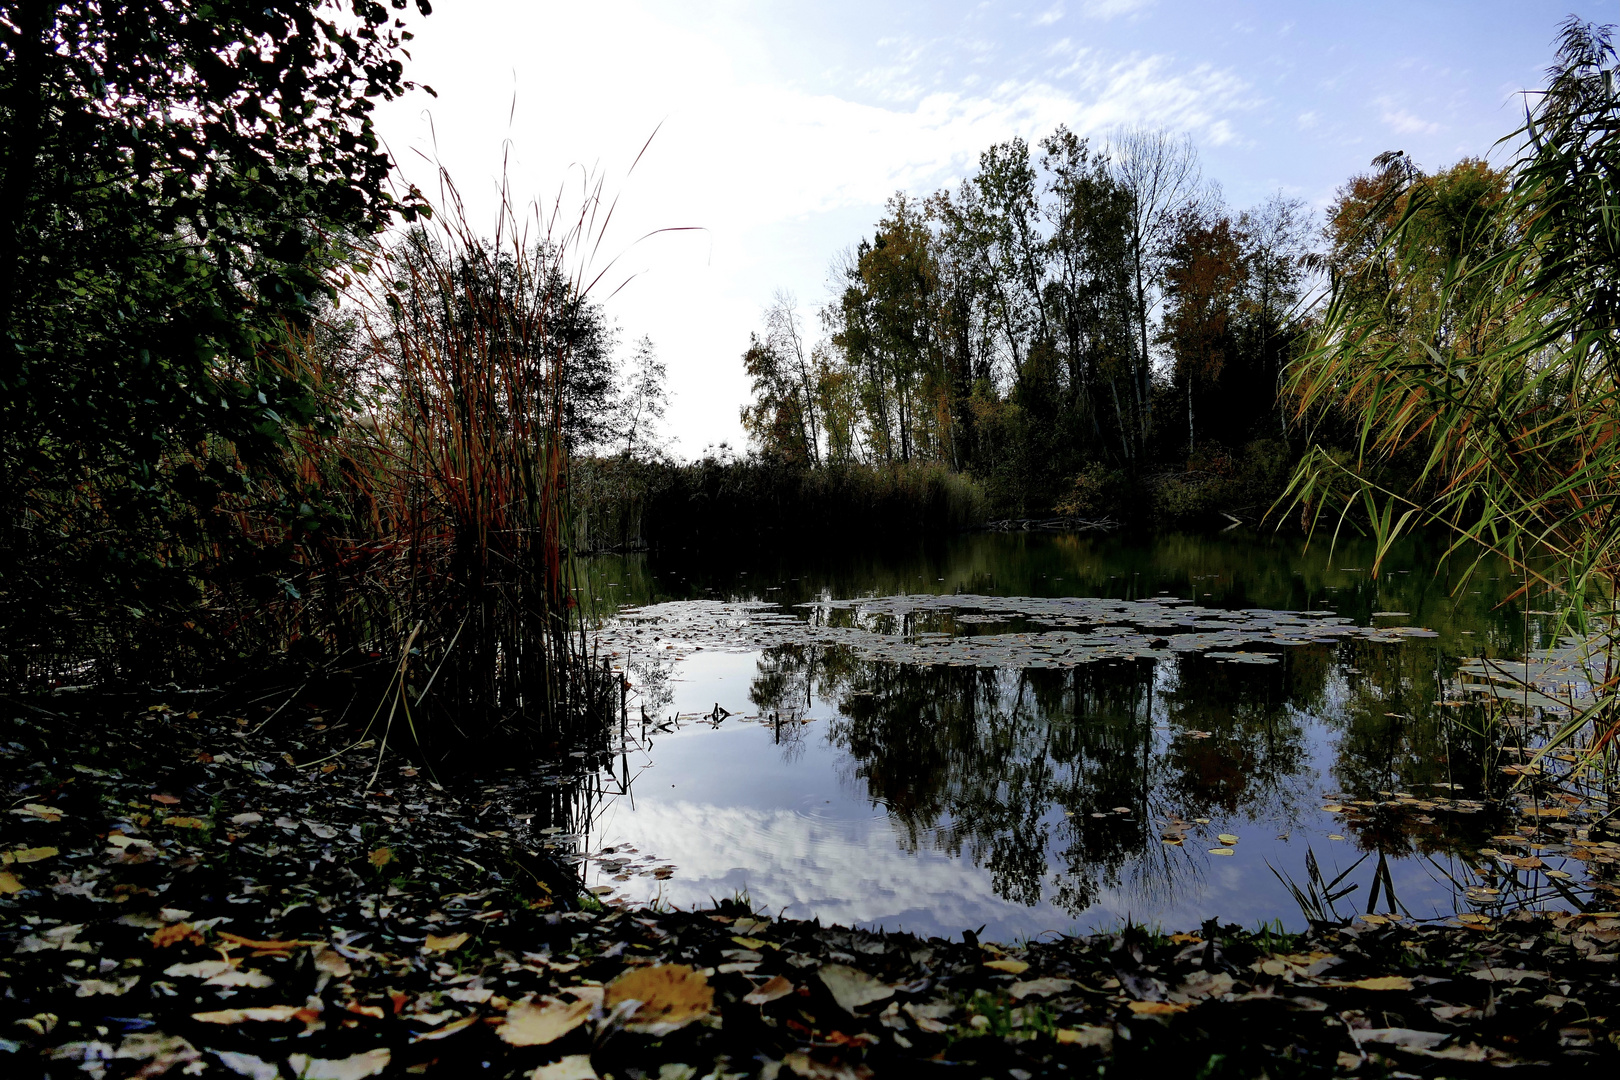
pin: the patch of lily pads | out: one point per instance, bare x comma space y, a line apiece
962, 629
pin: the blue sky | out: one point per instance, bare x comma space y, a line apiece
782, 127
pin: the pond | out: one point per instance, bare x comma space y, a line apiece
1030, 733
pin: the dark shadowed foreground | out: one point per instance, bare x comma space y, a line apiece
180, 899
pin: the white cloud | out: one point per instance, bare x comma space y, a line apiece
1050, 16
1405, 122
1111, 9
779, 176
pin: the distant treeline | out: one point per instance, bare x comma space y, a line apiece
1085, 330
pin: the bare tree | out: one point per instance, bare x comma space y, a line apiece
1160, 174
643, 397
784, 335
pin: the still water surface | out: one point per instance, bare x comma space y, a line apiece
1035, 773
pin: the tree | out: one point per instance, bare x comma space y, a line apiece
643, 398
1160, 175
784, 336
1204, 277
179, 182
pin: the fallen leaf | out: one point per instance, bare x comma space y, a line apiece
265, 946
749, 942
447, 1030
1039, 987
381, 857
769, 991
332, 963
247, 819
246, 1065
33, 854
851, 987
1155, 1008
1186, 939
445, 943
166, 800
9, 883
169, 935
357, 1067
1382, 982
186, 822
530, 1023
572, 1067
1011, 967
1087, 1035
671, 996
269, 1014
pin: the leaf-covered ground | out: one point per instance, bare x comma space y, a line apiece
177, 897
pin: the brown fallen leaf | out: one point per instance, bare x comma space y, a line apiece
380, 858
186, 823
265, 946
769, 991
262, 1013
357, 1067
9, 883
174, 933
851, 987
1155, 1008
447, 1030
1039, 987
445, 942
671, 996
1087, 1035
1382, 982
572, 1067
535, 1023
166, 800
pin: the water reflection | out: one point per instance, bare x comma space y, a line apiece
1046, 798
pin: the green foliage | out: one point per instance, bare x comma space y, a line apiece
181, 183
1473, 331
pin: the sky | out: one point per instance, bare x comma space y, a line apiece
777, 130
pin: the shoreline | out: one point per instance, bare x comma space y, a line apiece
179, 898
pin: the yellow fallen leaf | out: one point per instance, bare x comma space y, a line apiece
381, 857
186, 822
9, 883
1382, 982
749, 942
535, 1023
1087, 1035
768, 992
269, 946
33, 854
445, 943
447, 1030
1186, 939
671, 996
1011, 967
1155, 1008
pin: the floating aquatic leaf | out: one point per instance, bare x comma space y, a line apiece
1227, 839
1221, 851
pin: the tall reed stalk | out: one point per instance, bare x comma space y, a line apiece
1504, 382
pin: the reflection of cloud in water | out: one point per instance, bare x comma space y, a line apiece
844, 871
853, 872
